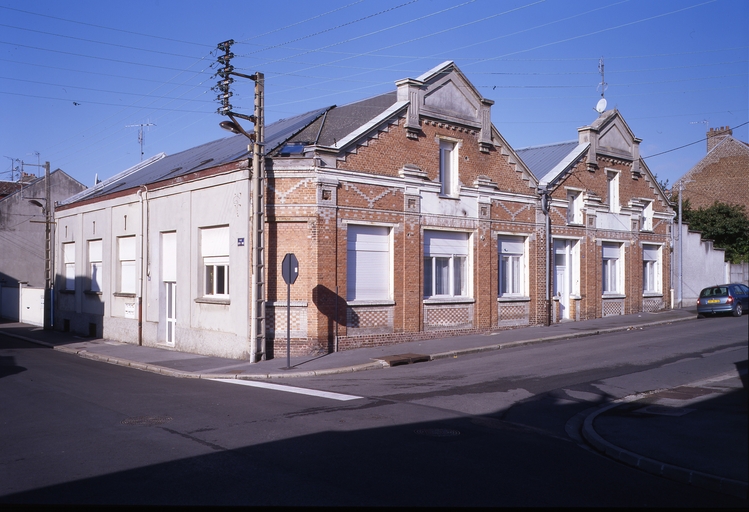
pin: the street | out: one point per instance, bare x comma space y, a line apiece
494, 429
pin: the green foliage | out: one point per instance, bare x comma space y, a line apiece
726, 225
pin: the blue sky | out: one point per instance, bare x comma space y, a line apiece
78, 78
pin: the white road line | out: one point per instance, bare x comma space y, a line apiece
289, 389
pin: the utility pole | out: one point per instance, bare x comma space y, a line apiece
48, 221
257, 228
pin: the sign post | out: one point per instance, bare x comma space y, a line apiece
290, 271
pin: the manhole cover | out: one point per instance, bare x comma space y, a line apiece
438, 432
146, 421
664, 410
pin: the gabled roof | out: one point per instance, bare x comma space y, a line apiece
205, 156
541, 160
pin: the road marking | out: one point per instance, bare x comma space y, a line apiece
289, 389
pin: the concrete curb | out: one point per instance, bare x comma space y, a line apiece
655, 467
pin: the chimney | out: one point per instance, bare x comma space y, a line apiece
716, 135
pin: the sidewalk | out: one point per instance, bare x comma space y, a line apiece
695, 434
179, 364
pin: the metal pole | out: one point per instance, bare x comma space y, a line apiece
47, 250
681, 252
288, 320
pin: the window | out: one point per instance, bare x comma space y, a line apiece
214, 248
613, 182
449, 168
647, 217
511, 266
574, 207
68, 251
651, 269
612, 268
445, 264
368, 263
94, 265
126, 260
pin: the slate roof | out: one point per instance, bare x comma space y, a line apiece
341, 121
211, 154
542, 159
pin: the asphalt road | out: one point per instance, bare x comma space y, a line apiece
496, 429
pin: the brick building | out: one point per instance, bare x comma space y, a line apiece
410, 215
722, 175
609, 220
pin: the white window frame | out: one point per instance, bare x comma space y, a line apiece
68, 251
95, 265
449, 178
513, 269
647, 217
214, 250
612, 178
127, 272
612, 275
574, 206
455, 264
369, 269
652, 276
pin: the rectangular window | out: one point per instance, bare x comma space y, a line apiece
214, 249
574, 207
126, 260
449, 169
68, 251
94, 265
511, 266
647, 217
651, 269
612, 268
368, 274
613, 185
445, 264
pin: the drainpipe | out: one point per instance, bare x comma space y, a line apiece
546, 207
143, 221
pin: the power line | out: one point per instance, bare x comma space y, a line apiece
690, 144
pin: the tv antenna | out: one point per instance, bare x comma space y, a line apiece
601, 105
704, 121
141, 135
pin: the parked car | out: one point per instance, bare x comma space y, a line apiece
723, 298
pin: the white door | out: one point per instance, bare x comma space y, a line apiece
168, 308
563, 275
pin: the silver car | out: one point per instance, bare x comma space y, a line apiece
723, 298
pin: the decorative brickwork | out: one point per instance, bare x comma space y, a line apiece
438, 317
652, 304
513, 314
369, 320
613, 307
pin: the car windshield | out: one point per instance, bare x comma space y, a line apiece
716, 291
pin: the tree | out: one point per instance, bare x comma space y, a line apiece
726, 225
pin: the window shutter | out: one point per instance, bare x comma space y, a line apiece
444, 243
127, 248
511, 246
610, 251
214, 241
94, 250
649, 253
368, 255
169, 257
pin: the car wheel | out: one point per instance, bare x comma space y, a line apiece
738, 311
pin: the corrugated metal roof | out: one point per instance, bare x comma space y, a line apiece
542, 159
211, 154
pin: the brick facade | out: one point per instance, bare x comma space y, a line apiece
721, 175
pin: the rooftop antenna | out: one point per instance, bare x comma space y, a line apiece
141, 135
601, 105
